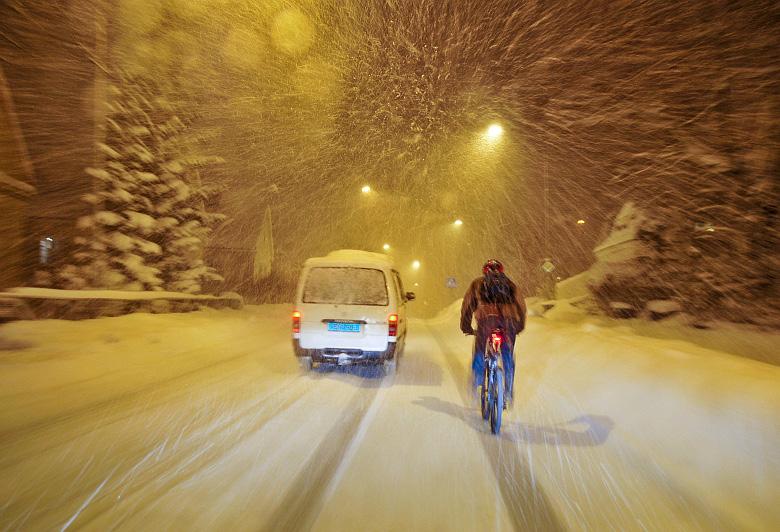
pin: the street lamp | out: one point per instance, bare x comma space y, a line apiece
494, 132
366, 189
386, 247
416, 265
580, 222
458, 222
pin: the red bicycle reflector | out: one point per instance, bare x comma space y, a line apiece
296, 321
392, 324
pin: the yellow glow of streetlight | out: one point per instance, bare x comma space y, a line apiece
386, 247
366, 189
416, 265
458, 222
494, 131
580, 222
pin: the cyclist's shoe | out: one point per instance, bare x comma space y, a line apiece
507, 403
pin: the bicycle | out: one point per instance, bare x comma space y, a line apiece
492, 392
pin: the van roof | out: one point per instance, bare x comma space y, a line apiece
352, 256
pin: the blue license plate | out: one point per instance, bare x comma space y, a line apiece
344, 327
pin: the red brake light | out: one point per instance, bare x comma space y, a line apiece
296, 322
392, 324
496, 339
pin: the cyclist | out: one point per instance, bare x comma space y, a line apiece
495, 301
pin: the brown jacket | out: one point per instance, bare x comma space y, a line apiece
474, 306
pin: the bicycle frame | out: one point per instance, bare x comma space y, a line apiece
492, 352
492, 396
492, 355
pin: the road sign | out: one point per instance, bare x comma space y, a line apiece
452, 282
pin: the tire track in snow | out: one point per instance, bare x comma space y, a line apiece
309, 490
165, 475
526, 502
189, 440
9, 436
53, 435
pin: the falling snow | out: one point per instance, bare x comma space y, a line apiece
622, 156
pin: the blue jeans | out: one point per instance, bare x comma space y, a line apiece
507, 356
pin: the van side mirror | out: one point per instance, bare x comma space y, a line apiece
410, 296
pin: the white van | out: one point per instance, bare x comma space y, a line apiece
350, 307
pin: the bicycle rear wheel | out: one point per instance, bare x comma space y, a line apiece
484, 394
497, 401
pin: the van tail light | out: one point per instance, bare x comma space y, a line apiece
392, 325
296, 321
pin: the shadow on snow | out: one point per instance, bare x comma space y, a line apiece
413, 370
362, 375
584, 431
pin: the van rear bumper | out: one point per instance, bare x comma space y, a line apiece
337, 355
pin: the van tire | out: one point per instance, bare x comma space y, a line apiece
306, 363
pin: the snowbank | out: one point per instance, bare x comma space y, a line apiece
108, 357
733, 339
449, 314
84, 304
116, 295
574, 286
723, 337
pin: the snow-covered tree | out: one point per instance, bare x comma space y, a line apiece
714, 221
264, 248
148, 222
713, 250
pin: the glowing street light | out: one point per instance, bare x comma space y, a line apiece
366, 189
494, 132
416, 265
580, 222
386, 247
458, 222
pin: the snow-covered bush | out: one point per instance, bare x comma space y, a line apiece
712, 256
148, 222
662, 308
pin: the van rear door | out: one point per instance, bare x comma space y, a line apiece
344, 307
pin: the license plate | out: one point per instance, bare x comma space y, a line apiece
344, 327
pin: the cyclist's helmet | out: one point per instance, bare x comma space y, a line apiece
493, 266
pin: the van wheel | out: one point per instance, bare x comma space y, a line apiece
391, 367
306, 363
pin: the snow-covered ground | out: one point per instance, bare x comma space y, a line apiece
203, 421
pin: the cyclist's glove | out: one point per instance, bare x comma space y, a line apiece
467, 330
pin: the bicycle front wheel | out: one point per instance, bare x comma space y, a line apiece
497, 402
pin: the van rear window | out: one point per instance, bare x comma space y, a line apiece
346, 286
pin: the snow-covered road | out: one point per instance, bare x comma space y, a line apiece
203, 421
